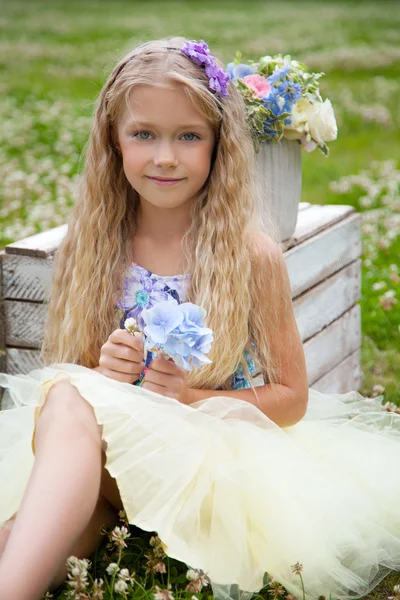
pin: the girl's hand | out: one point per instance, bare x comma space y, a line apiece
121, 357
166, 378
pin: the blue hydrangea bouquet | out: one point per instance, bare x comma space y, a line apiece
176, 331
283, 100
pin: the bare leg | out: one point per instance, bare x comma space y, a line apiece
61, 497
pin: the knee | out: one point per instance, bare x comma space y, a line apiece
64, 404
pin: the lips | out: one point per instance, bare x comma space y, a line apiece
164, 178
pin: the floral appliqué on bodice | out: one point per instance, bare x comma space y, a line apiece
143, 289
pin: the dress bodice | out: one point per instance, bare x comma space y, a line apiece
143, 289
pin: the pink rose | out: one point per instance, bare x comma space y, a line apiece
258, 84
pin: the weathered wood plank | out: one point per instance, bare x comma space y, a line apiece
25, 323
324, 254
325, 302
315, 219
42, 244
343, 378
26, 277
333, 344
21, 360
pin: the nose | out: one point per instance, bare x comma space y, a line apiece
165, 155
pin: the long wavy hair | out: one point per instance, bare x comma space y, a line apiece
221, 246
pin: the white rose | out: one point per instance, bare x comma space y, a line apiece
299, 118
321, 122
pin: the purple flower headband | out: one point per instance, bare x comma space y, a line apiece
199, 53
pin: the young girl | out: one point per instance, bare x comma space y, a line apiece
237, 480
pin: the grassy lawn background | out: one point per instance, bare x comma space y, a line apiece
54, 59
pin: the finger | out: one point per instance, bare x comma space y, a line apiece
156, 378
123, 352
122, 336
121, 366
121, 377
166, 366
170, 382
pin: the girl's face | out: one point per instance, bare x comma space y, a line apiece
166, 146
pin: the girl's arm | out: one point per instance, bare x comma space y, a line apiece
285, 402
281, 404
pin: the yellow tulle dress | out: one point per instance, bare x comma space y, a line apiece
226, 489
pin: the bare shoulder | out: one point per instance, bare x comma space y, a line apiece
264, 246
267, 256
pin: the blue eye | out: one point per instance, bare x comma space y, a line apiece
194, 136
142, 135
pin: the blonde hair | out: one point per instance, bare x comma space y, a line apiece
220, 246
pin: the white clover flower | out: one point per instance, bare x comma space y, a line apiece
131, 325
163, 594
120, 587
389, 294
192, 574
378, 389
112, 569
197, 580
379, 285
118, 536
124, 574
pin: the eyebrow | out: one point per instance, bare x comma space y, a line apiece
137, 123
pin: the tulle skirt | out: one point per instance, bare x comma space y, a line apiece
230, 492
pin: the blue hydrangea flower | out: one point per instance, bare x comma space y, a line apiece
179, 331
161, 320
234, 71
279, 75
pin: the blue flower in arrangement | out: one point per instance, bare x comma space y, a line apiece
234, 71
178, 331
160, 320
279, 75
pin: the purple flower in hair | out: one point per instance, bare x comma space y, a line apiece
198, 52
218, 80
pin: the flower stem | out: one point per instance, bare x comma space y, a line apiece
302, 586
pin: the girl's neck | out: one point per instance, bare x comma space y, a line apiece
162, 225
157, 244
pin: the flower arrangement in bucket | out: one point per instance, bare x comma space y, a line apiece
285, 112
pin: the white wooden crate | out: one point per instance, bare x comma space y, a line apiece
323, 260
